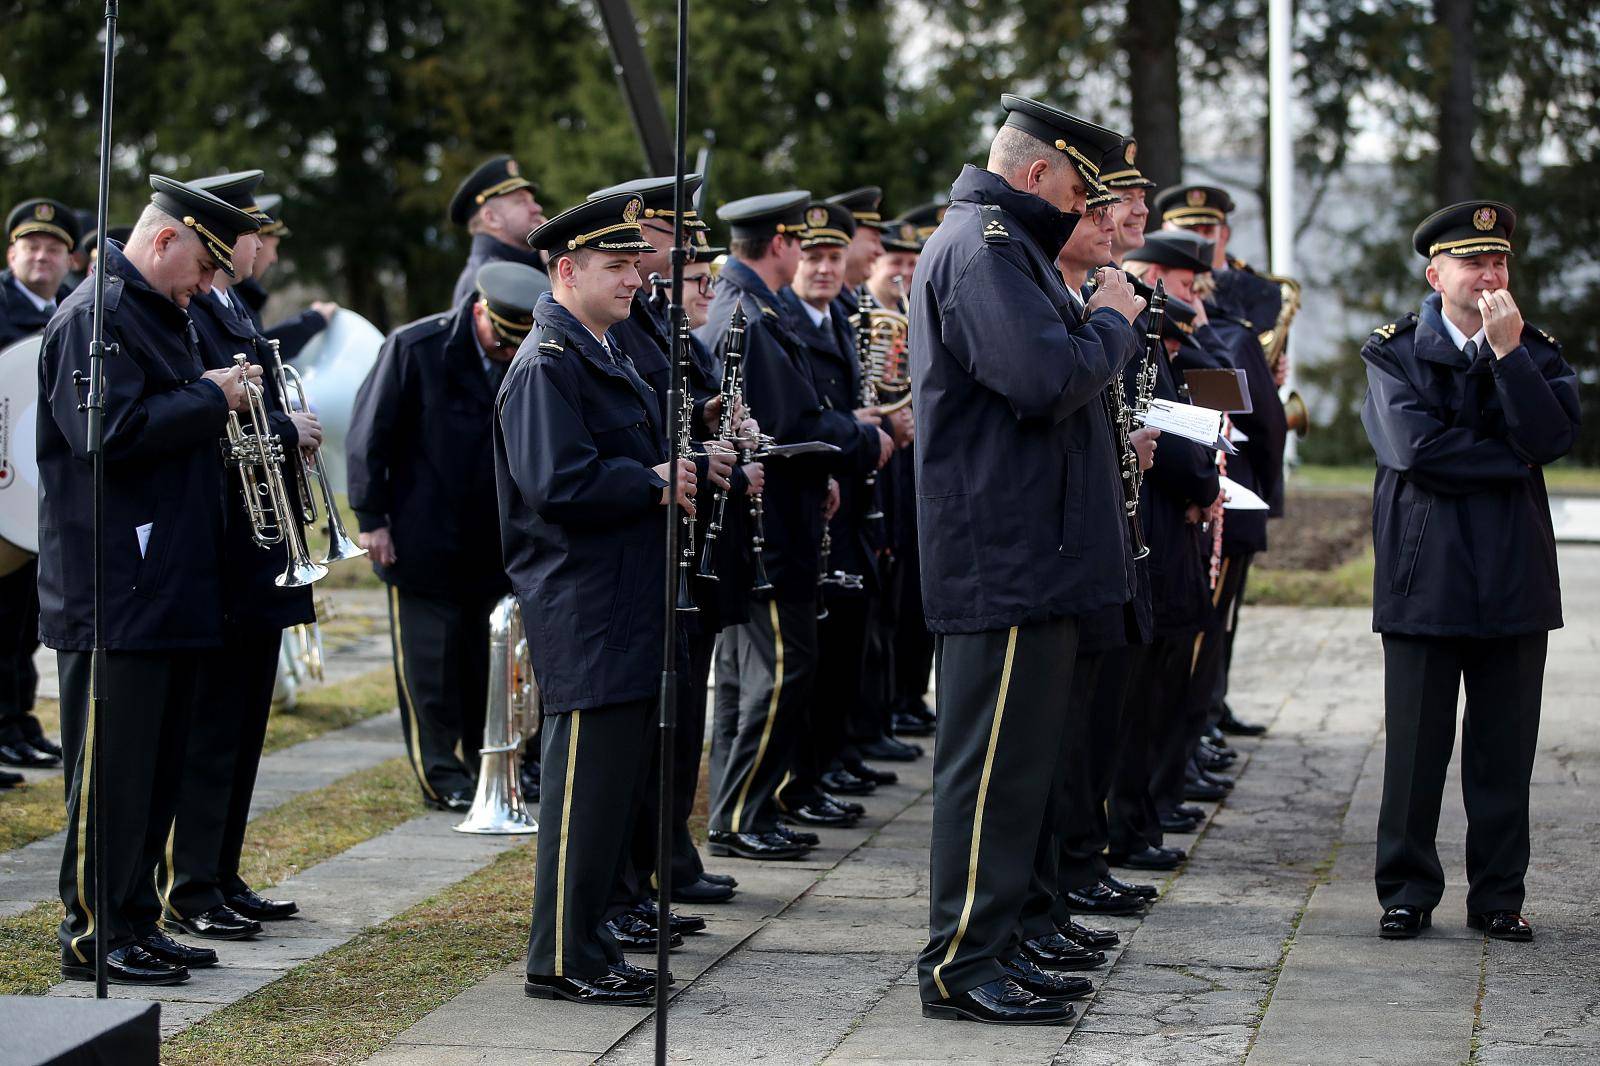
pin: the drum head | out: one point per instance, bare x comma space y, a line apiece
19, 466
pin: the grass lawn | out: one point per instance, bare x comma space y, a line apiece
1562, 477
1347, 585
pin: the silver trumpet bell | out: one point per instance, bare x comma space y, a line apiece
511, 714
293, 390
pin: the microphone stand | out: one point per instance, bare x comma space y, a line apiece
669, 667
94, 409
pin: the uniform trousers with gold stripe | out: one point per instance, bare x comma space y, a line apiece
441, 666
765, 669
595, 762
150, 698
200, 865
999, 741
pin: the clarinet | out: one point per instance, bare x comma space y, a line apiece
869, 395
1120, 418
732, 367
829, 578
1144, 386
686, 554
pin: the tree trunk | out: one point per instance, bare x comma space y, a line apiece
1456, 176
1150, 42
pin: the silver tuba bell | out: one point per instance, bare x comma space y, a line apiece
510, 717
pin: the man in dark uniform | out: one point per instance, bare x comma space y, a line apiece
40, 233
198, 876
293, 333
421, 477
1243, 303
847, 574
865, 243
164, 504
1465, 405
581, 463
1021, 529
499, 207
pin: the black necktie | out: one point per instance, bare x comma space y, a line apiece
1474, 392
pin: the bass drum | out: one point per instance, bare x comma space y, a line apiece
334, 364
19, 464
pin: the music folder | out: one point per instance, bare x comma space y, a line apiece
1224, 390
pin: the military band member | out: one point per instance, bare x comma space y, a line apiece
1465, 405
831, 361
581, 463
864, 205
499, 207
422, 486
40, 233
1021, 527
164, 505
1120, 171
198, 878
293, 333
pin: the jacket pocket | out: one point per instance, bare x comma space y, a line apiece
1072, 494
950, 559
150, 569
621, 622
1412, 526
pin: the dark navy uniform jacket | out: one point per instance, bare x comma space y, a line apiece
1019, 501
1258, 464
831, 352
18, 316
1460, 519
420, 458
251, 599
782, 395
293, 333
581, 516
487, 249
646, 335
164, 480
1245, 294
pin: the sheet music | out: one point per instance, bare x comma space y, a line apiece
1199, 424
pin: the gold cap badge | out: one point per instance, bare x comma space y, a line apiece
1484, 219
1133, 150
631, 212
817, 217
44, 212
512, 168
1196, 198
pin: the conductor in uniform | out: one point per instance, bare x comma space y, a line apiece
498, 206
1021, 530
165, 415
581, 463
422, 485
1465, 405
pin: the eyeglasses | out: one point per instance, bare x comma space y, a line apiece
705, 284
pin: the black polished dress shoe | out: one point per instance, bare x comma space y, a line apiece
784, 831
1150, 858
1502, 925
906, 725
37, 740
636, 934
460, 801
752, 845
1097, 898
10, 780
1220, 780
916, 708
845, 783
1177, 823
1196, 788
1044, 983
1214, 761
871, 773
719, 879
641, 975
1000, 1002
1056, 951
1234, 727
1403, 922
251, 904
218, 923
529, 781
701, 891
170, 951
889, 749
680, 923
1086, 936
1189, 810
614, 989
1128, 888
26, 755
130, 965
850, 807
822, 813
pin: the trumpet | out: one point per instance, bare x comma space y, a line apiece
340, 544
258, 454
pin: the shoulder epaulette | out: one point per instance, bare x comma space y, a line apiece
1400, 325
552, 341
766, 310
994, 228
424, 327
1546, 336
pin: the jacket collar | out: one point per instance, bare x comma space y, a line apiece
463, 354
548, 313
1433, 341
120, 269
1047, 225
485, 247
740, 275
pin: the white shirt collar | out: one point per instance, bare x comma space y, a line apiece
222, 295
33, 298
817, 316
1458, 338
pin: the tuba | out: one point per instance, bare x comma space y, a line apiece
1275, 344
510, 717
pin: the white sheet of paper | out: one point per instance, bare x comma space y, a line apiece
1199, 424
1239, 497
143, 533
1237, 435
